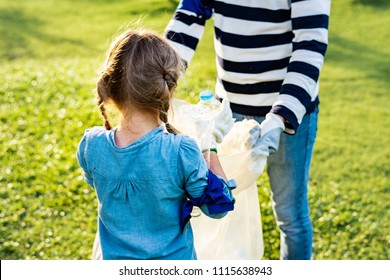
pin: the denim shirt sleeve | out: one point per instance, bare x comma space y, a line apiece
80, 154
204, 189
192, 167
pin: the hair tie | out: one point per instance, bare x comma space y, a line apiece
166, 77
170, 80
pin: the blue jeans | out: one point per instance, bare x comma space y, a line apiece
288, 170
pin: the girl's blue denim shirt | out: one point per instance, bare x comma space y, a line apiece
141, 190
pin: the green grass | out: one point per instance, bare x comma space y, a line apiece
50, 52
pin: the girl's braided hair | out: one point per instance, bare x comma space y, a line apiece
141, 71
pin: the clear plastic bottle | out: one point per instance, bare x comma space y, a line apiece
207, 98
209, 106
201, 117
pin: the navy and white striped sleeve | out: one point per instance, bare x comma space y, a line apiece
310, 19
186, 27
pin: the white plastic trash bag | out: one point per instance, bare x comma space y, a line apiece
238, 235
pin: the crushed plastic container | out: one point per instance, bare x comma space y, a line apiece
207, 99
209, 106
201, 116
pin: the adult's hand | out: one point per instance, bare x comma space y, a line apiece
223, 122
268, 135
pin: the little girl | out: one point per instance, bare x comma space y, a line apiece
147, 177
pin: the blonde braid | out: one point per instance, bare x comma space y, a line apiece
102, 109
164, 118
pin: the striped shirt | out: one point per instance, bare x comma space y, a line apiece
269, 53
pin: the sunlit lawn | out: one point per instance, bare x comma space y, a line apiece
50, 52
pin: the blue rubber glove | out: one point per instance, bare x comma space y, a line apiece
201, 8
269, 132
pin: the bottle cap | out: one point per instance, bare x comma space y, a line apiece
206, 95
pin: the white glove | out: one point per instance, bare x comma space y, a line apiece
269, 132
223, 122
